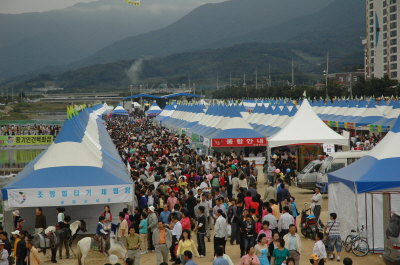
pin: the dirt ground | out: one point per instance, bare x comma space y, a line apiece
302, 196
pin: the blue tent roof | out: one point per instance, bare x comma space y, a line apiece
181, 95
142, 95
376, 171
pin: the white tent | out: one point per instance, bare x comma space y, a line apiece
306, 128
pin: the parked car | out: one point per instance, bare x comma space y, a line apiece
391, 254
307, 178
335, 162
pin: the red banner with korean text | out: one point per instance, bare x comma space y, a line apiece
238, 142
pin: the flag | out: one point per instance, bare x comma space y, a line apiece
305, 93
133, 2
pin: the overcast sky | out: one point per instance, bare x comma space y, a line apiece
23, 6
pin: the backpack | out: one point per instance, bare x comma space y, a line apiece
393, 229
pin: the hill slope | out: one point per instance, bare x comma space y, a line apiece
203, 66
206, 25
31, 41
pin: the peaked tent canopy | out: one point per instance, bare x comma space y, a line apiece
306, 128
119, 110
154, 110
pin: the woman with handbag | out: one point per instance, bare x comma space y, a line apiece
332, 232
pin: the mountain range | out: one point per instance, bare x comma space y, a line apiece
232, 36
42, 40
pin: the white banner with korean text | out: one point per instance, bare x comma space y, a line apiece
85, 195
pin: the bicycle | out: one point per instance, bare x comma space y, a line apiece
356, 243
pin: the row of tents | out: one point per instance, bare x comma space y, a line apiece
153, 111
356, 192
372, 115
216, 124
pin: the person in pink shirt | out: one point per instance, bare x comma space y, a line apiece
250, 258
127, 214
185, 221
257, 223
172, 200
247, 200
266, 231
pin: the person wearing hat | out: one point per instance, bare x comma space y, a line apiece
15, 235
21, 250
16, 218
3, 254
152, 221
33, 257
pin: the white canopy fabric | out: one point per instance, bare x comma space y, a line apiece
306, 128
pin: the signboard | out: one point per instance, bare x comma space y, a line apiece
238, 142
329, 148
18, 198
349, 125
9, 140
259, 160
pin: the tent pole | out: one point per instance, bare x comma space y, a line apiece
356, 197
269, 155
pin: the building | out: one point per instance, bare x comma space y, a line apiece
382, 39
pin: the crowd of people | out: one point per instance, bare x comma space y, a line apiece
185, 199
34, 129
364, 142
181, 193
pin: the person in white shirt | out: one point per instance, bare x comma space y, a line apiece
293, 244
221, 232
285, 221
316, 201
273, 223
176, 234
319, 249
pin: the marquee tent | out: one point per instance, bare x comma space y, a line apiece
154, 110
356, 191
80, 168
305, 127
119, 110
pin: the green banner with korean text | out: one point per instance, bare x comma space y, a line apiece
11, 140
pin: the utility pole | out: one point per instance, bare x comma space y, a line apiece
269, 75
326, 76
244, 84
292, 74
230, 79
351, 85
256, 80
131, 88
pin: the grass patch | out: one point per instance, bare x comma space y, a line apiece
41, 106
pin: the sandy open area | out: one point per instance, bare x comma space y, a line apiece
302, 196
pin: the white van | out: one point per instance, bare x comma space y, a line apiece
335, 162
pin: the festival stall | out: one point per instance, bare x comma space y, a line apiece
81, 171
154, 110
305, 128
119, 110
368, 190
